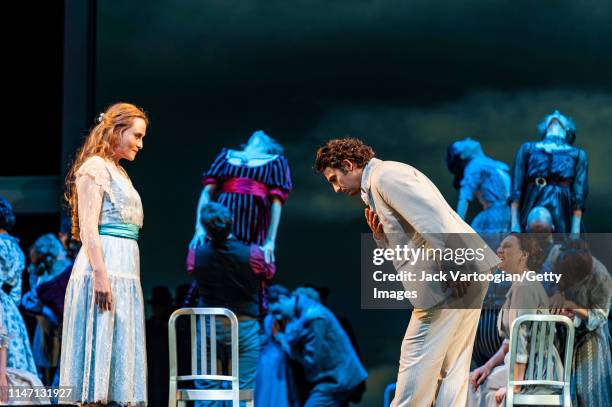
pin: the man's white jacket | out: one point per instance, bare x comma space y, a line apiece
413, 212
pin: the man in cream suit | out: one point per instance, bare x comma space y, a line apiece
405, 208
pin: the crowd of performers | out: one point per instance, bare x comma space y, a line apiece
82, 287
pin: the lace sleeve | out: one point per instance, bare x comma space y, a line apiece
92, 180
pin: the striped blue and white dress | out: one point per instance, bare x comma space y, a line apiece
251, 212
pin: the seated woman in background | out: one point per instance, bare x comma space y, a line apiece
584, 296
48, 259
519, 254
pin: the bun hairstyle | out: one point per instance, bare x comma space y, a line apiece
102, 140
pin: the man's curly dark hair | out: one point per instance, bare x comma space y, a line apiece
335, 151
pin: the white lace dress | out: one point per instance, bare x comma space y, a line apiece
103, 354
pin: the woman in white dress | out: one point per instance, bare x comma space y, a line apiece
103, 349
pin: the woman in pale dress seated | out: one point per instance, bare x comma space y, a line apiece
103, 354
519, 253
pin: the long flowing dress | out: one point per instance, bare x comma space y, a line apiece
12, 263
552, 174
103, 353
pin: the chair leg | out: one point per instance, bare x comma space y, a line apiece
172, 394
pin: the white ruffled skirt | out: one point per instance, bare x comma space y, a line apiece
103, 354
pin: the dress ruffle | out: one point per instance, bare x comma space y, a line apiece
104, 353
107, 361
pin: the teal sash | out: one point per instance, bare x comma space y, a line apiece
125, 230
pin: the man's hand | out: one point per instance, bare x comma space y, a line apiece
374, 224
268, 249
103, 297
459, 288
478, 376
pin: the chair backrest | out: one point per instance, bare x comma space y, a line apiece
540, 364
204, 357
388, 396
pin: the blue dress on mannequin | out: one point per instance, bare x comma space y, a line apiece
553, 175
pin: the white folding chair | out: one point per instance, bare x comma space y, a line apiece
199, 316
543, 328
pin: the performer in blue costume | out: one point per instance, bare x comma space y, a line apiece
275, 384
12, 263
552, 173
481, 177
314, 338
